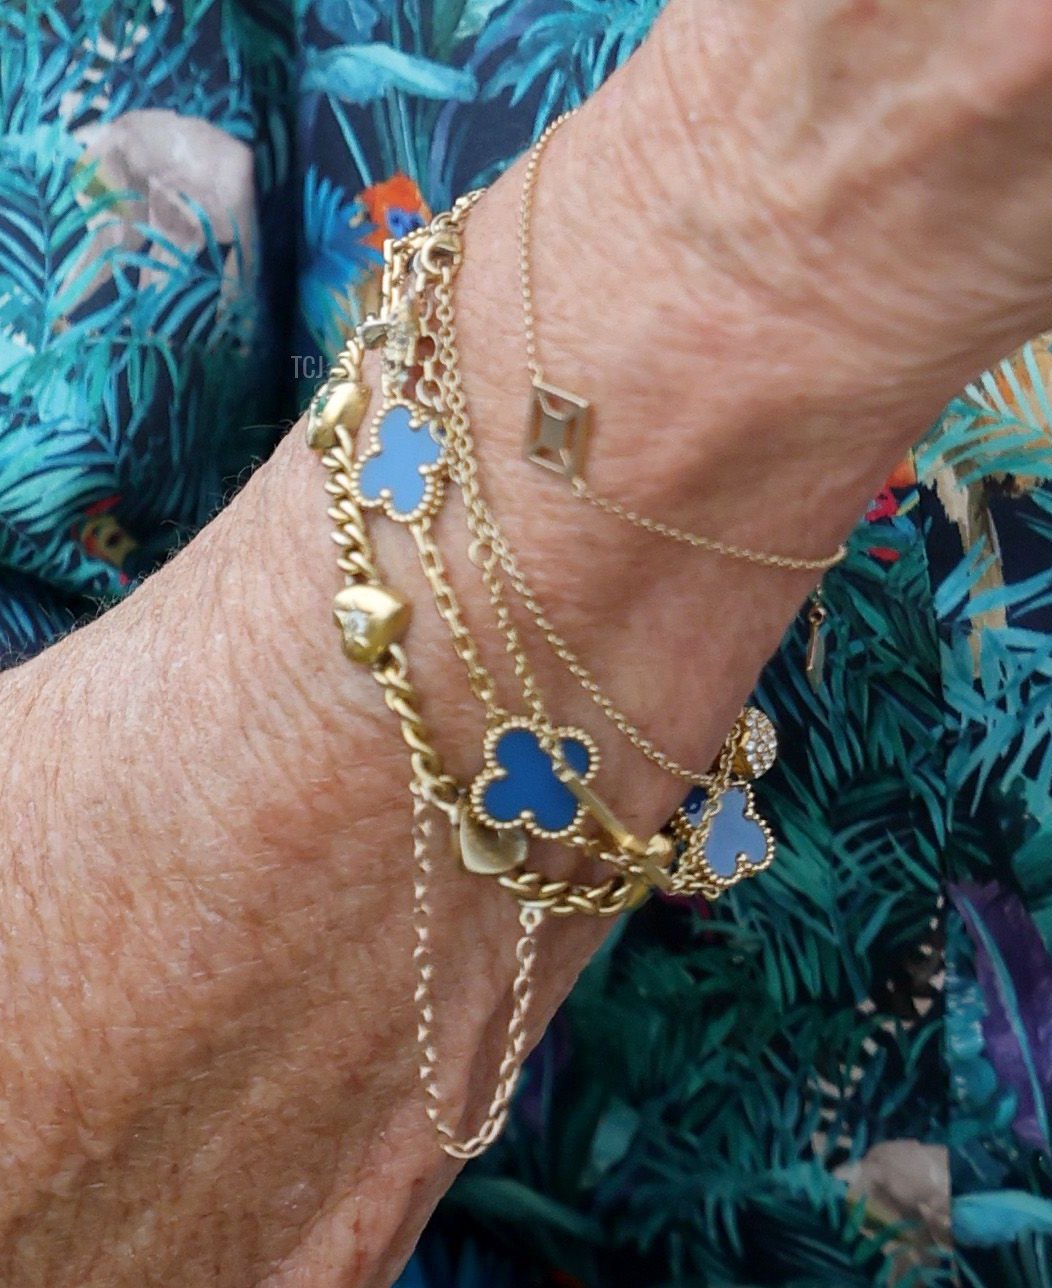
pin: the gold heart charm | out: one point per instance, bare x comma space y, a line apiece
488, 852
372, 618
342, 403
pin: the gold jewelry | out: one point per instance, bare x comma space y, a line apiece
537, 776
437, 325
815, 661
559, 422
530, 918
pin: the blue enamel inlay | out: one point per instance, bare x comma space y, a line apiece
529, 781
398, 467
732, 831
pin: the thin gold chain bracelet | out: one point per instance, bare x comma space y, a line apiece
559, 422
536, 777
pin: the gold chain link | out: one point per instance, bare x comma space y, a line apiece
358, 562
530, 918
418, 333
564, 898
529, 188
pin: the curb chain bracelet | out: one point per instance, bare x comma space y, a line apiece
535, 777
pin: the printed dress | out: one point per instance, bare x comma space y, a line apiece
841, 1073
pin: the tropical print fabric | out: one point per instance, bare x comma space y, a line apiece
840, 1074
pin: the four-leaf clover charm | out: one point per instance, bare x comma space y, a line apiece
519, 786
401, 471
739, 842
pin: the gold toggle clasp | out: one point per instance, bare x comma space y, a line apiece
647, 856
442, 245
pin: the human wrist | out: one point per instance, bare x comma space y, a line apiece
678, 403
702, 396
204, 918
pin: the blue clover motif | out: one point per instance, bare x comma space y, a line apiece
735, 833
399, 473
519, 785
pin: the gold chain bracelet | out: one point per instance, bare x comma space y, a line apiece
559, 422
536, 777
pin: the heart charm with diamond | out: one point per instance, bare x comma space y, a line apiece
372, 618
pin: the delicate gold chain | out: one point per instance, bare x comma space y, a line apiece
658, 528
449, 608
480, 680
459, 440
529, 185
581, 488
418, 333
491, 543
530, 918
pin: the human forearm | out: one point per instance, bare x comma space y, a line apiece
208, 992
212, 919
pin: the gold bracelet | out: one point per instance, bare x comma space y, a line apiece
536, 777
559, 423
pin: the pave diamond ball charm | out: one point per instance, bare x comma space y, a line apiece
756, 744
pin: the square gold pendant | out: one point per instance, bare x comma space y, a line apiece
557, 430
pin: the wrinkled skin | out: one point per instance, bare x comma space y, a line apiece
781, 254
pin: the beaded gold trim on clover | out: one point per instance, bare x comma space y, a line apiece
559, 421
